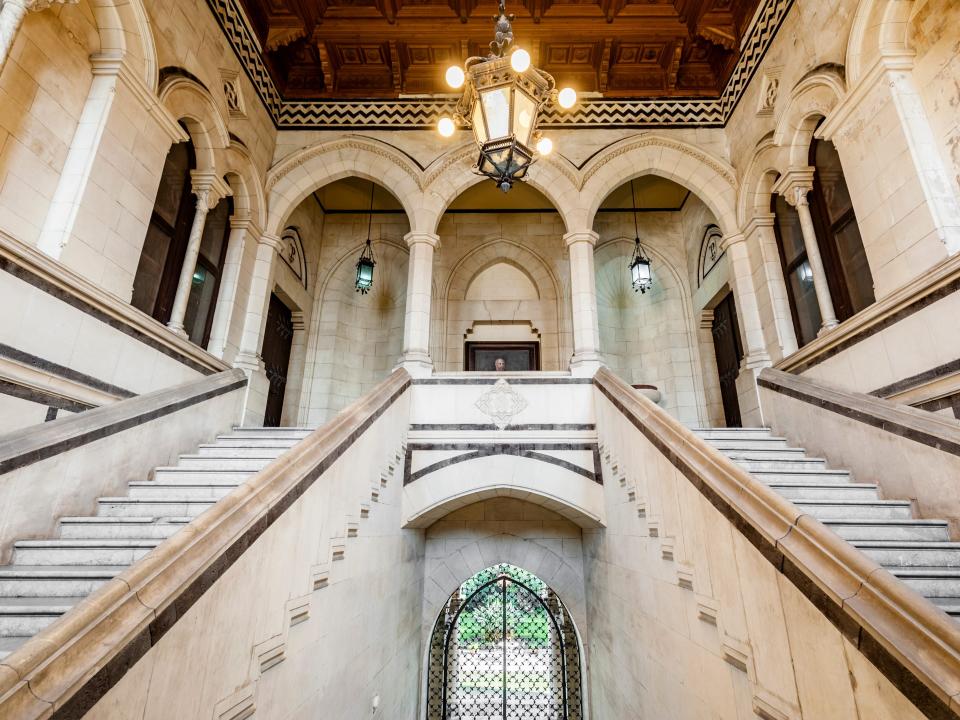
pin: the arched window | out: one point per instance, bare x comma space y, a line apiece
504, 646
155, 284
796, 271
844, 259
205, 286
841, 247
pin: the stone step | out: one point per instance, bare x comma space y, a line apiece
54, 580
950, 605
912, 554
178, 490
751, 464
856, 510
747, 444
241, 451
912, 530
27, 616
9, 644
712, 434
228, 441
296, 429
798, 491
819, 476
161, 508
198, 477
784, 453
81, 552
98, 527
267, 433
215, 462
931, 582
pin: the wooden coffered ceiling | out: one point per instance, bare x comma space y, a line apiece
330, 49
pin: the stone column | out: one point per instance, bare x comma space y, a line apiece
794, 186
254, 323
224, 340
12, 13
583, 297
774, 303
416, 325
755, 356
292, 406
209, 190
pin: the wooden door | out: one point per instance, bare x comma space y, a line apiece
729, 351
277, 339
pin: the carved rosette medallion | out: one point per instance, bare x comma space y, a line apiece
501, 403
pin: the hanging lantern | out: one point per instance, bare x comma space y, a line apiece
367, 262
501, 103
640, 276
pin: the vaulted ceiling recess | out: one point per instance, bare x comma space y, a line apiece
375, 63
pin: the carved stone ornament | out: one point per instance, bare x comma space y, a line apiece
501, 403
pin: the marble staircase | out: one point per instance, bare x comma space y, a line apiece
48, 577
917, 551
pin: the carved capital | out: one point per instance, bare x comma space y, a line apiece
581, 236
272, 241
414, 238
210, 186
794, 185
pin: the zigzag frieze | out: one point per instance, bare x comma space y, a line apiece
422, 114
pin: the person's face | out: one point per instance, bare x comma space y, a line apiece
500, 364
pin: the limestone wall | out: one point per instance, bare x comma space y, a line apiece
688, 620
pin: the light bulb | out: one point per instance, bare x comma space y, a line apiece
446, 127
520, 60
567, 98
455, 76
545, 146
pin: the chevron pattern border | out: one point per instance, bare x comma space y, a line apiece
423, 114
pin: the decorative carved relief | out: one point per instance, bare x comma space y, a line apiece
710, 252
769, 91
233, 94
292, 254
501, 403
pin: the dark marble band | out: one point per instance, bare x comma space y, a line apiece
51, 401
908, 383
900, 675
480, 450
899, 421
31, 278
34, 361
509, 379
453, 427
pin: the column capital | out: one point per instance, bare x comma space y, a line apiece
794, 185
245, 222
761, 220
108, 63
273, 241
579, 236
413, 238
209, 186
727, 240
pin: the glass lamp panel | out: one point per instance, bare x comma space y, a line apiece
479, 128
364, 275
496, 109
524, 117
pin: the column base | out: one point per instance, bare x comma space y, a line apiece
827, 327
748, 394
585, 364
418, 364
178, 329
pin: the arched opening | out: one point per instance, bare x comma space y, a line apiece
499, 293
205, 285
844, 259
649, 338
797, 272
504, 646
155, 283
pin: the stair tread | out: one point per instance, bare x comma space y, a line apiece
65, 571
88, 543
37, 605
884, 521
854, 503
906, 544
931, 571
124, 520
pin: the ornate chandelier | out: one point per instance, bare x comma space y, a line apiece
501, 101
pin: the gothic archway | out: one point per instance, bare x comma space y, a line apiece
504, 646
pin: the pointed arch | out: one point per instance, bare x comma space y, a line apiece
879, 27
814, 97
711, 178
248, 196
756, 186
191, 103
298, 174
451, 174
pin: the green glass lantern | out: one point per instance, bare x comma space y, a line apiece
367, 262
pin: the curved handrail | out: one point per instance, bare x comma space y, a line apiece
74, 661
910, 640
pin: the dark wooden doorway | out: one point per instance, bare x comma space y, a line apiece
519, 356
729, 351
277, 340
